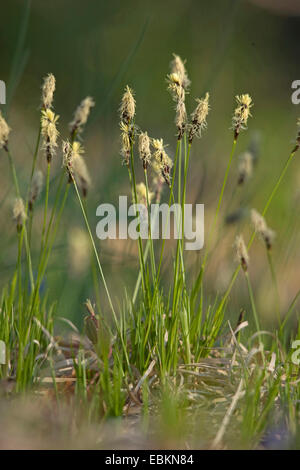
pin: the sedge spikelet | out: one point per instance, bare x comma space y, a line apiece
162, 159
177, 65
144, 149
48, 89
36, 188
49, 132
245, 167
241, 252
19, 213
198, 118
241, 113
127, 108
4, 132
81, 116
261, 227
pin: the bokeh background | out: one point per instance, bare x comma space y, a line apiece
95, 48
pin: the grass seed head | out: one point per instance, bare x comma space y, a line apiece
48, 89
19, 213
144, 149
127, 108
245, 167
127, 140
261, 227
175, 86
49, 132
36, 188
4, 132
241, 113
81, 172
241, 252
198, 118
177, 65
180, 118
81, 115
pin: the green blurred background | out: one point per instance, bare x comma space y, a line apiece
95, 48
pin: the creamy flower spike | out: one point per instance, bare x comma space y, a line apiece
245, 167
36, 188
48, 89
175, 86
180, 119
198, 118
49, 132
81, 115
126, 136
144, 149
19, 213
4, 132
241, 252
127, 108
177, 66
163, 160
241, 113
261, 227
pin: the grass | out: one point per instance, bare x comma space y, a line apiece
168, 361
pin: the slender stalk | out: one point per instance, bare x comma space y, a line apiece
46, 205
101, 271
24, 230
152, 256
141, 255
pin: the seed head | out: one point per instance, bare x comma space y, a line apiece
162, 159
241, 252
241, 113
81, 172
180, 118
144, 149
48, 89
81, 115
4, 132
19, 214
297, 138
175, 86
49, 132
36, 188
262, 228
127, 137
198, 118
177, 66
245, 167
127, 108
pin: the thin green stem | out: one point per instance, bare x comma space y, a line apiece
101, 271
